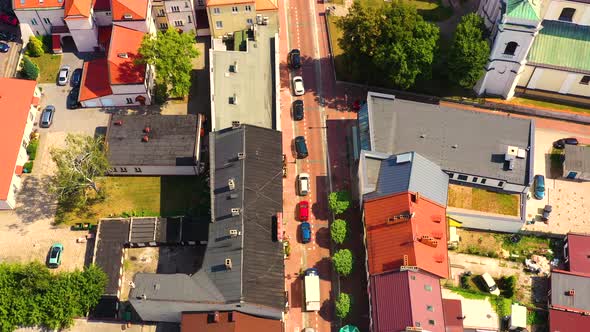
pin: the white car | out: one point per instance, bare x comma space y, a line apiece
298, 88
64, 75
303, 184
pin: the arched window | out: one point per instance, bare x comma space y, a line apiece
510, 48
567, 14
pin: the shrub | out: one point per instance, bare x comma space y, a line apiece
338, 231
342, 261
343, 303
30, 70
160, 93
35, 47
28, 167
32, 148
339, 201
508, 286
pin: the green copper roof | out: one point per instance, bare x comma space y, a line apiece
562, 44
524, 9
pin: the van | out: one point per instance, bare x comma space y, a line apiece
303, 184
490, 284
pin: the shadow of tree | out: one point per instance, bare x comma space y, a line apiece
34, 200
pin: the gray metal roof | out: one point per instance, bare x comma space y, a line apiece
577, 158
111, 236
143, 229
416, 174
172, 140
252, 84
562, 282
461, 141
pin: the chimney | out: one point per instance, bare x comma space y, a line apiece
235, 212
228, 264
147, 129
145, 139
241, 155
233, 232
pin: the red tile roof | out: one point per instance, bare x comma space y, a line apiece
123, 70
95, 83
579, 252
16, 97
563, 321
102, 5
453, 315
191, 322
77, 8
35, 4
421, 239
414, 293
136, 8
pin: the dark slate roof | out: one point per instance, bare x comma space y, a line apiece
562, 282
411, 172
171, 140
143, 230
112, 234
169, 230
577, 158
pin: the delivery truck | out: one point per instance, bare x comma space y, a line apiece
312, 290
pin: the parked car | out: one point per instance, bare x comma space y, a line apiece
298, 110
304, 210
8, 19
560, 143
72, 102
64, 75
539, 189
55, 255
300, 147
4, 47
298, 88
303, 184
76, 77
47, 116
305, 232
294, 59
490, 284
7, 36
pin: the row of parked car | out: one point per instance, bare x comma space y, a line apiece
5, 36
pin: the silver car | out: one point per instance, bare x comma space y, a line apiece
64, 75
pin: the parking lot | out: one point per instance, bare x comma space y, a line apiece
570, 199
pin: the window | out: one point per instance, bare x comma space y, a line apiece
129, 100
483, 181
417, 324
186, 5
161, 12
34, 22
510, 48
248, 8
567, 14
216, 11
474, 180
413, 277
585, 80
428, 288
462, 177
234, 9
108, 13
249, 21
178, 23
451, 175
137, 169
114, 170
46, 20
124, 169
201, 3
190, 20
430, 308
218, 24
175, 8
500, 184
431, 321
163, 25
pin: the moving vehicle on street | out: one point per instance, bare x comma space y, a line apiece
4, 47
54, 259
47, 116
64, 75
539, 188
300, 147
490, 284
76, 77
303, 184
298, 110
304, 210
298, 88
305, 232
560, 143
312, 290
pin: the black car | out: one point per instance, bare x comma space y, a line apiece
298, 110
300, 147
295, 59
560, 144
72, 102
7, 36
4, 47
47, 116
76, 78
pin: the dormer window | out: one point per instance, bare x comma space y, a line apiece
510, 48
567, 15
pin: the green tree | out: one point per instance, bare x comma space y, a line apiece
392, 41
343, 304
469, 52
35, 47
343, 262
171, 53
29, 70
79, 164
339, 201
338, 231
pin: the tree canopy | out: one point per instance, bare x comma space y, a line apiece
78, 165
35, 47
392, 41
469, 51
338, 231
31, 296
171, 53
342, 260
30, 70
339, 201
343, 303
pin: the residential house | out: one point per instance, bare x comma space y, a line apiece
126, 83
417, 306
243, 267
576, 251
528, 41
177, 14
227, 321
228, 16
153, 144
577, 162
18, 100
244, 78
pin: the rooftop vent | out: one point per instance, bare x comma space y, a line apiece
511, 153
147, 129
233, 99
231, 183
127, 16
235, 124
422, 135
228, 263
235, 212
145, 139
123, 55
234, 232
234, 67
241, 155
118, 123
404, 158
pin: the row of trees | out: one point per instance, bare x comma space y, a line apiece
32, 296
395, 45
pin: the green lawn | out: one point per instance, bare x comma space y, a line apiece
483, 200
144, 196
431, 10
48, 67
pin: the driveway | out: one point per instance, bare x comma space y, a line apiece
570, 199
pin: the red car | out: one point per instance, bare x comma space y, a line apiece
303, 210
7, 19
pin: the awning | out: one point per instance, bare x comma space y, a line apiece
56, 43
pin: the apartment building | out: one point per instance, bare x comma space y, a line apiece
229, 16
176, 14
